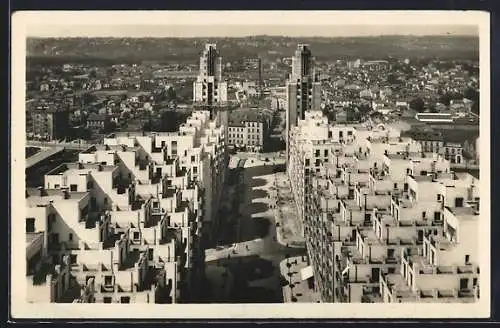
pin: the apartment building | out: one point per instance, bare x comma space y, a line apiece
375, 198
311, 144
129, 222
303, 89
48, 122
379, 202
209, 88
248, 128
445, 268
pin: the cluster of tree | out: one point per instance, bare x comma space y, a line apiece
417, 104
169, 121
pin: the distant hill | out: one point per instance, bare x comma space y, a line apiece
268, 47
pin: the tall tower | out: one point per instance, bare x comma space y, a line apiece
303, 89
209, 89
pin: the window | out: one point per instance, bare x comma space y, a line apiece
193, 159
106, 300
423, 215
438, 197
467, 259
459, 202
326, 152
70, 236
30, 225
73, 187
195, 169
395, 186
56, 186
108, 280
136, 235
307, 162
72, 259
349, 133
105, 200
90, 185
437, 216
125, 299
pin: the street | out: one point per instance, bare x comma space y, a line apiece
252, 260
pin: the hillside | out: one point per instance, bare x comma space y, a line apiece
269, 47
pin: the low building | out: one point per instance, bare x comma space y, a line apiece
434, 117
96, 122
248, 128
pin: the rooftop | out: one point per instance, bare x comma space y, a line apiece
53, 195
80, 168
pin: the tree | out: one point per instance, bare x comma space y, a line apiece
110, 127
171, 94
471, 94
393, 79
445, 99
417, 104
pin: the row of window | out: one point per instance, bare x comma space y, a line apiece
257, 130
239, 135
239, 141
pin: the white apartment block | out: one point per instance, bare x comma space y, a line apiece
209, 88
129, 221
383, 221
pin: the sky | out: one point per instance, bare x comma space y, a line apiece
134, 30
245, 23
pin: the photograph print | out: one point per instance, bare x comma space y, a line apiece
249, 166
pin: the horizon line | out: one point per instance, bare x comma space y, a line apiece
249, 36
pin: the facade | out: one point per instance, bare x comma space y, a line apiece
311, 144
209, 88
48, 123
248, 128
96, 122
130, 221
435, 142
303, 89
384, 222
452, 151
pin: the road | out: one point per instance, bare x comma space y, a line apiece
42, 155
66, 145
253, 260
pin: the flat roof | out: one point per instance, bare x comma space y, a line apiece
54, 195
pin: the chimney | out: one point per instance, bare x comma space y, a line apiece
470, 192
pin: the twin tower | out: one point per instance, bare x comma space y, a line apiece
303, 87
